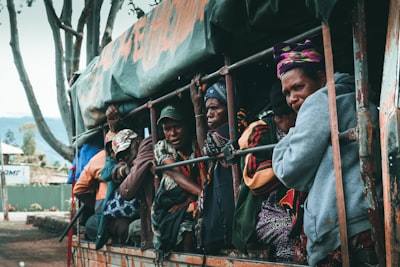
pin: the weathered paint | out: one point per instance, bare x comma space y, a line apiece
389, 122
154, 51
85, 254
365, 127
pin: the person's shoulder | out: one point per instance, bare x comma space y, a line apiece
99, 155
163, 146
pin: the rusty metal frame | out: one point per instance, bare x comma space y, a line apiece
326, 34
389, 121
365, 129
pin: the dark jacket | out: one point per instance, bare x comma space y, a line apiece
140, 183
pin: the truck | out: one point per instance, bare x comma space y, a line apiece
154, 61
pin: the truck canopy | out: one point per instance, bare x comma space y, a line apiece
178, 39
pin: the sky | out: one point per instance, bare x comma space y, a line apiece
37, 50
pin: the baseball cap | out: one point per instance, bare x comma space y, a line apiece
122, 140
171, 112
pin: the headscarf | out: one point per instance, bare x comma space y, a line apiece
292, 55
218, 91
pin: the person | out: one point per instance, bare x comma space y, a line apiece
105, 175
303, 159
266, 210
139, 183
90, 184
219, 203
179, 188
85, 153
118, 212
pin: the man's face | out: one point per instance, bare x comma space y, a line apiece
175, 133
296, 87
217, 113
129, 154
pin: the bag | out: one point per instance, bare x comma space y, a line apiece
117, 207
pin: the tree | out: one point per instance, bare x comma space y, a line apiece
29, 143
67, 56
10, 138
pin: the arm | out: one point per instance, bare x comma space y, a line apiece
185, 182
296, 158
197, 96
140, 171
84, 188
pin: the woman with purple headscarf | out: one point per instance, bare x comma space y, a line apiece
303, 159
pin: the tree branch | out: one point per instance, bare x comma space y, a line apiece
115, 8
63, 150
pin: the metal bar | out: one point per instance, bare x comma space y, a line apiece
232, 124
365, 127
335, 144
3, 187
239, 152
72, 222
154, 139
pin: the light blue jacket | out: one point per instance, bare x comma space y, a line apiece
304, 160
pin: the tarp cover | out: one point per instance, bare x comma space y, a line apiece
178, 35
153, 51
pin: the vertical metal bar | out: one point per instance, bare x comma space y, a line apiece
232, 124
154, 136
326, 34
3, 186
365, 127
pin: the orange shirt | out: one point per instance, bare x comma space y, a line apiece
89, 179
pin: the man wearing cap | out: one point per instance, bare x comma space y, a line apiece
179, 186
119, 213
139, 183
304, 159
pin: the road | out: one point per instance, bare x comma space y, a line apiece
23, 244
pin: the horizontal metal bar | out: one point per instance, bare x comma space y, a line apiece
238, 152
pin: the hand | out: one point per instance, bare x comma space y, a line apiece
197, 94
196, 213
181, 205
112, 115
112, 112
120, 172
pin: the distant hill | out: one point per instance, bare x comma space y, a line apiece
55, 125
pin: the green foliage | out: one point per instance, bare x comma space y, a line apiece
29, 143
10, 138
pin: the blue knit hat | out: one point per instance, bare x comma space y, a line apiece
218, 91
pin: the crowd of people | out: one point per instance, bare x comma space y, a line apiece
286, 202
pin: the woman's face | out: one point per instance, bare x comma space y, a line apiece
296, 87
217, 113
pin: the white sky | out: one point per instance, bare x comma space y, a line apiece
37, 50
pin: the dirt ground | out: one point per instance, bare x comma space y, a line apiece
23, 244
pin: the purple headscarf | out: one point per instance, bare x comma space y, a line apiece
292, 55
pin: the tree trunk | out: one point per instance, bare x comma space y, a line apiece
64, 150
93, 32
